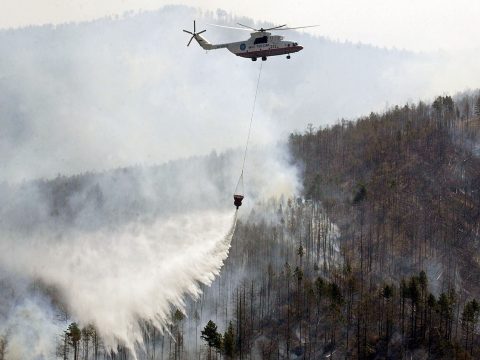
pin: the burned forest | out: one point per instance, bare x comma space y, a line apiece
378, 258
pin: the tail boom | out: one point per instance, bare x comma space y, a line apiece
207, 45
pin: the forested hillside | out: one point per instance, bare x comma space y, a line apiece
407, 183
378, 259
403, 187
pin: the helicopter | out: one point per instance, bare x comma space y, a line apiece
261, 43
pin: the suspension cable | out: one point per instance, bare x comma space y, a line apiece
251, 119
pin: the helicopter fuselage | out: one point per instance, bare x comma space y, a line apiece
261, 44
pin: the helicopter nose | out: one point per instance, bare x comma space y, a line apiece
300, 47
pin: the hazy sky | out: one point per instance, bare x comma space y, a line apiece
410, 24
67, 110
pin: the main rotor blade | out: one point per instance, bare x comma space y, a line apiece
194, 30
201, 32
188, 32
276, 27
299, 27
248, 27
190, 41
229, 27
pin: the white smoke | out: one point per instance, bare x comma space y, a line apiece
117, 92
122, 247
31, 329
112, 279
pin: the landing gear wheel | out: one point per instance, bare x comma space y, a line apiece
254, 59
288, 56
264, 58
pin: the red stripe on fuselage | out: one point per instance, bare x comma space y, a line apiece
270, 52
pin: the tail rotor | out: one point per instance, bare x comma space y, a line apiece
194, 33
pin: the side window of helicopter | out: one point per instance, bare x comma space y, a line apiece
261, 40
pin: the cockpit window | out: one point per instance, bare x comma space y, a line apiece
261, 40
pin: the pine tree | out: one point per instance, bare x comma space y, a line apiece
2, 348
387, 295
74, 335
470, 316
414, 295
212, 337
229, 342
